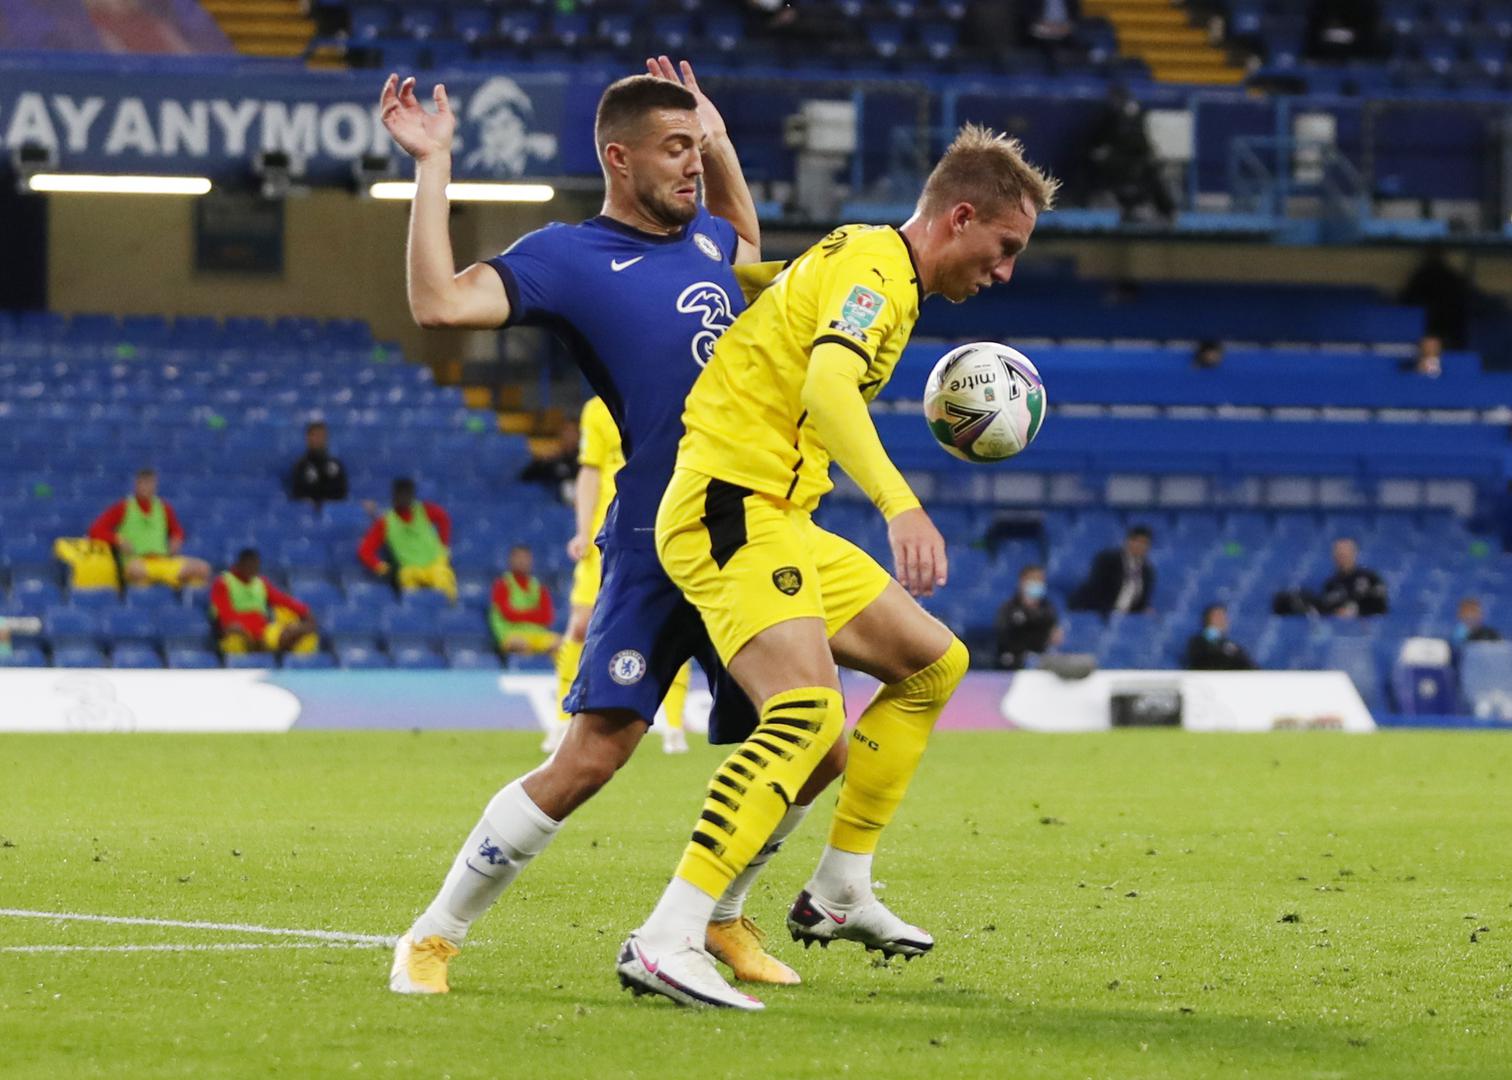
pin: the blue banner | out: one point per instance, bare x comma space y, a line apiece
172, 119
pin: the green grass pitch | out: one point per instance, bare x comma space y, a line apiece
1137, 904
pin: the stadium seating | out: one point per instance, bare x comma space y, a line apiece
1245, 473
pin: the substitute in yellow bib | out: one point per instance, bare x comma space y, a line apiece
600, 456
784, 601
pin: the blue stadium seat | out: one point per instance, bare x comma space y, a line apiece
539, 664
463, 658
152, 598
184, 657
408, 626
355, 619
23, 654
428, 600
79, 655
368, 23
99, 600
70, 626
472, 24
418, 658
130, 625
182, 627
316, 661
256, 660
360, 658
135, 656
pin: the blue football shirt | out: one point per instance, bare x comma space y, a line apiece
640, 314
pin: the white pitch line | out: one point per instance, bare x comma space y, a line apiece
241, 928
219, 947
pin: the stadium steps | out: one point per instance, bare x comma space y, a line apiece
1160, 33
269, 28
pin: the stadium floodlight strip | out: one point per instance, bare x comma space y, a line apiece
82, 183
465, 191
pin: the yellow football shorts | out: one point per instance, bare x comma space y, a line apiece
163, 569
535, 639
587, 576
748, 561
439, 575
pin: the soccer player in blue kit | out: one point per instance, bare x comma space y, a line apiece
639, 294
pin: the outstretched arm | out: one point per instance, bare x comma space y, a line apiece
438, 295
725, 191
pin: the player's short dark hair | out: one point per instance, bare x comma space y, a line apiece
519, 547
247, 553
146, 473
989, 171
317, 425
1140, 532
626, 104
403, 485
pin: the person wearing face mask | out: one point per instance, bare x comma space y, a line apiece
1211, 649
1028, 624
1471, 625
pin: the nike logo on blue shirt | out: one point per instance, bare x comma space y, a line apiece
616, 264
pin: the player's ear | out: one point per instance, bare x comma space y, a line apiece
961, 215
616, 156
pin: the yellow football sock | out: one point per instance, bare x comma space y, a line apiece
756, 784
886, 747
569, 652
677, 699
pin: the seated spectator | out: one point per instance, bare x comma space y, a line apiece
1049, 22
1352, 590
521, 613
252, 614
1208, 356
147, 538
558, 469
1120, 579
1028, 624
318, 476
1471, 625
1212, 649
1122, 161
417, 538
1429, 359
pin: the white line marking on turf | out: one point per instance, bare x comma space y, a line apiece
241, 928
218, 947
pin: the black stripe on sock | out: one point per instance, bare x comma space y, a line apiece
740, 770
709, 842
775, 751
725, 519
788, 737
719, 821
724, 800
787, 802
753, 757
794, 705
734, 785
792, 721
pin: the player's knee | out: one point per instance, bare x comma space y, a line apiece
937, 682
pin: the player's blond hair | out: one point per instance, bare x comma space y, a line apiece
989, 171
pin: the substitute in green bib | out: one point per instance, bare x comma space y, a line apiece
522, 613
148, 538
252, 614
410, 543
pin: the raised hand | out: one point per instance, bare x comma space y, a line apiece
708, 116
418, 132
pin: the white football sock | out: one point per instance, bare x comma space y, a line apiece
513, 831
681, 917
732, 903
843, 877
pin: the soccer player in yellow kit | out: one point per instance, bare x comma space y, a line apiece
600, 455
786, 392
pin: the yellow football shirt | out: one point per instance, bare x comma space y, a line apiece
599, 447
858, 287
